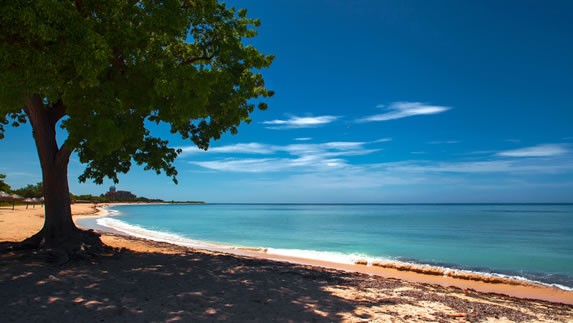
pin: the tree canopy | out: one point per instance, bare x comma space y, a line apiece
106, 68
3, 186
104, 71
30, 190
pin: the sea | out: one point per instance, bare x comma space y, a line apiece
532, 242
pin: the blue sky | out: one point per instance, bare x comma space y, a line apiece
384, 101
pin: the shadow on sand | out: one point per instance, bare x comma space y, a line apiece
189, 286
195, 286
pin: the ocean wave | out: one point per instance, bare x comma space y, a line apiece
154, 235
362, 259
327, 256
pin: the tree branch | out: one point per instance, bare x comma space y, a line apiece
197, 59
80, 8
58, 111
32, 102
118, 61
17, 39
64, 153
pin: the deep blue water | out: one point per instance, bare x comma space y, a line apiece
530, 241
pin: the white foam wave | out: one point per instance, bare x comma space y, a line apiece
327, 256
104, 211
112, 212
350, 259
144, 233
503, 276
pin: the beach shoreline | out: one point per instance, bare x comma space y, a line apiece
390, 269
21, 223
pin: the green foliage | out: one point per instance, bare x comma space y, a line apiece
3, 186
106, 199
30, 190
114, 67
87, 198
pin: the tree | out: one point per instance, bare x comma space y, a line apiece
106, 72
3, 186
30, 190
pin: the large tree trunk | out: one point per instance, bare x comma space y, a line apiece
59, 231
58, 224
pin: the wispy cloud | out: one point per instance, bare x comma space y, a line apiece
266, 165
338, 148
311, 158
383, 140
303, 139
300, 122
546, 150
398, 110
304, 157
308, 170
248, 148
516, 166
410, 180
23, 174
495, 166
248, 165
326, 172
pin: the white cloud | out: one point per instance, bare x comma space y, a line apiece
307, 174
266, 165
302, 157
343, 145
328, 165
190, 150
23, 174
398, 110
383, 140
347, 180
242, 165
303, 139
300, 122
449, 167
249, 148
547, 150
328, 148
310, 173
517, 166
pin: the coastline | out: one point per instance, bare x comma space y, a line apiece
157, 281
388, 269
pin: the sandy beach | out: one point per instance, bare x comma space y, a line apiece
154, 281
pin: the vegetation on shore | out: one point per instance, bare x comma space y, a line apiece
37, 191
3, 186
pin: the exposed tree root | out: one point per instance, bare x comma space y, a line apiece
79, 244
32, 242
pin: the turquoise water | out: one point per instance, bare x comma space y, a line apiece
528, 241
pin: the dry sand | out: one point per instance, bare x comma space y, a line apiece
152, 281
